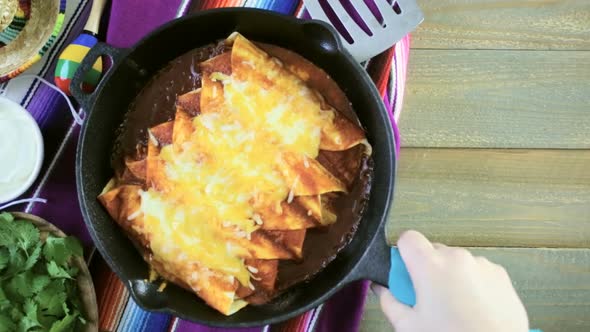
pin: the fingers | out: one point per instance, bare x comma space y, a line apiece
416, 251
482, 261
394, 310
497, 271
413, 244
439, 246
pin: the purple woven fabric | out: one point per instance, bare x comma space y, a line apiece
131, 20
344, 311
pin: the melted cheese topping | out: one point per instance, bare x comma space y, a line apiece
229, 166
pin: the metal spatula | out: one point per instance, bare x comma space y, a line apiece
367, 27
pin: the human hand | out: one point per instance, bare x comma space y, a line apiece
455, 291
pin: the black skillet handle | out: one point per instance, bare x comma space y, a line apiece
87, 99
322, 34
384, 265
375, 264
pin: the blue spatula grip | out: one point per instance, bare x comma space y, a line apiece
400, 284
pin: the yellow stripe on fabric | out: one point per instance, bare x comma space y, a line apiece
76, 53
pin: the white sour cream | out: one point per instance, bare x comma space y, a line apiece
21, 150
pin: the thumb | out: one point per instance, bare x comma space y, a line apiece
394, 310
416, 252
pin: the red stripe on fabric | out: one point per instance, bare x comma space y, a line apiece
210, 4
109, 314
379, 69
299, 9
103, 285
111, 294
297, 324
173, 323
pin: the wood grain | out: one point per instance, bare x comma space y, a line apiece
554, 285
504, 24
496, 125
490, 197
498, 99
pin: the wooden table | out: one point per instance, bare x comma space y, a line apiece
496, 137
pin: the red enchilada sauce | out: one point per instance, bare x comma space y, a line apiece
156, 103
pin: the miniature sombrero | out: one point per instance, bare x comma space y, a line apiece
28, 28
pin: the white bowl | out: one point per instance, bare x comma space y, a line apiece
21, 150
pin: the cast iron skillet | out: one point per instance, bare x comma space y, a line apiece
367, 255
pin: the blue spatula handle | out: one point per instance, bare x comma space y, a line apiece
400, 284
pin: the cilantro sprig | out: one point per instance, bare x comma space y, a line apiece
38, 288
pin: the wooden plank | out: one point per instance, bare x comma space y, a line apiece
487, 197
504, 24
554, 285
498, 99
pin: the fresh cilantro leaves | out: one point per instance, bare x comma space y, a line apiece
38, 289
60, 249
56, 271
3, 258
